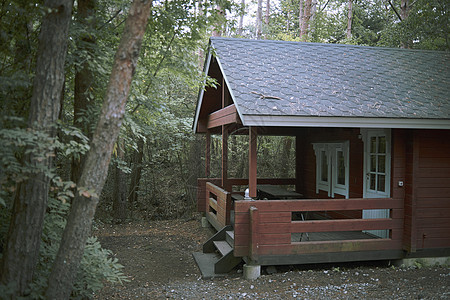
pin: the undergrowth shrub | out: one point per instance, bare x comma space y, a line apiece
98, 265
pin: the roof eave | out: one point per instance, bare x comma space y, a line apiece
355, 122
202, 89
229, 89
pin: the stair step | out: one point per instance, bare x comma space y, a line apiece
229, 237
223, 247
206, 263
208, 246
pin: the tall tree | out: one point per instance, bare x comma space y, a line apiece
404, 9
120, 207
30, 203
241, 17
259, 20
218, 27
266, 20
94, 173
305, 9
136, 171
349, 19
84, 75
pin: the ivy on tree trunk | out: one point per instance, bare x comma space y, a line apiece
94, 173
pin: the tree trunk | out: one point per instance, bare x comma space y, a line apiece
90, 185
313, 15
136, 173
305, 14
84, 77
404, 9
259, 20
241, 17
285, 156
349, 19
120, 189
404, 13
218, 27
30, 203
267, 12
300, 17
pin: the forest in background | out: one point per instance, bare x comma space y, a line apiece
156, 158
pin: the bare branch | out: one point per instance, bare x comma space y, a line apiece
396, 12
322, 9
112, 18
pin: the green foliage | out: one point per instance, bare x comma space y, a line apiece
97, 265
427, 27
18, 142
19, 28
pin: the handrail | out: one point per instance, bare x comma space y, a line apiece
201, 187
218, 204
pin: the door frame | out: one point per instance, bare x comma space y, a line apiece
376, 213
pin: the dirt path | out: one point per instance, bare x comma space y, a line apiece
158, 260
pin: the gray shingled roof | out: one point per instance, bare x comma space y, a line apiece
329, 80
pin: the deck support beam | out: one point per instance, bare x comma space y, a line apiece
252, 159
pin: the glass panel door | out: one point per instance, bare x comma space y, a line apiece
377, 173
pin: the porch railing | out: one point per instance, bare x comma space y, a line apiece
265, 227
202, 199
218, 205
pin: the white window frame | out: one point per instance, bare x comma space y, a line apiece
331, 186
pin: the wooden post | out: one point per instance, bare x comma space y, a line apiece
252, 159
254, 240
225, 158
208, 155
298, 157
228, 209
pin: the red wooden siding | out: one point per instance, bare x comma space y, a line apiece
399, 138
432, 188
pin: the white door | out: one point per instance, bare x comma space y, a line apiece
377, 172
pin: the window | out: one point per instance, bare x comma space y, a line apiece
332, 168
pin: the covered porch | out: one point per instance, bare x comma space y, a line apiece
303, 231
302, 225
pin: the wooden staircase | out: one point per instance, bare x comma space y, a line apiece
217, 258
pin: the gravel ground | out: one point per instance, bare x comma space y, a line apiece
157, 257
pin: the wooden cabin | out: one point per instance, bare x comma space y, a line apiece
372, 144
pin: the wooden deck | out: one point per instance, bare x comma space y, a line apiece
269, 232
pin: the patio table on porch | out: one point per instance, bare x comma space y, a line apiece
272, 192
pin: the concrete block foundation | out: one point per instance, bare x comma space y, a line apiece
252, 272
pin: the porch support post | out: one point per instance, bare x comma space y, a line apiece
252, 270
225, 158
208, 154
253, 134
